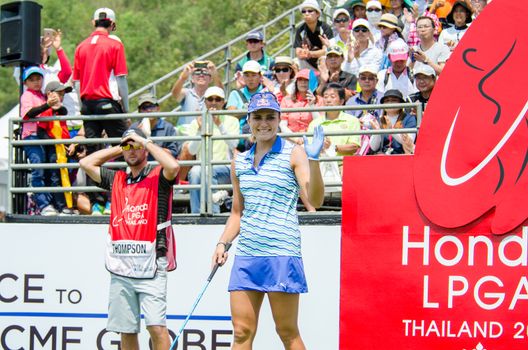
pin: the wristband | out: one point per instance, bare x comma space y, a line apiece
146, 142
224, 243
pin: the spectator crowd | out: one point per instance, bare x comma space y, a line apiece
374, 52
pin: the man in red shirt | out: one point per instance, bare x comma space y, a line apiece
99, 66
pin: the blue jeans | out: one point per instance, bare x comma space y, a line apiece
44, 177
221, 175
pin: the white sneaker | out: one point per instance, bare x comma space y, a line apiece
49, 210
220, 196
66, 212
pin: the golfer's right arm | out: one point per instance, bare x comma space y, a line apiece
92, 163
232, 227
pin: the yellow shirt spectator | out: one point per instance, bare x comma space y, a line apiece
344, 122
222, 149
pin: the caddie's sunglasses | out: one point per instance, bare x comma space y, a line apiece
361, 29
214, 99
129, 146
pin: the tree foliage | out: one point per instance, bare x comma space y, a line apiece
159, 35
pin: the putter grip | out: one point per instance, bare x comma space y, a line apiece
216, 266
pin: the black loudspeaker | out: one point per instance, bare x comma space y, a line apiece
20, 33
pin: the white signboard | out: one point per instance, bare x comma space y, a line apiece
54, 290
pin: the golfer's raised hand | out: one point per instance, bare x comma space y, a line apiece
313, 149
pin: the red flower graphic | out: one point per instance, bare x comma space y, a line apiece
472, 150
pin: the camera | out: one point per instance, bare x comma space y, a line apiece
49, 33
200, 64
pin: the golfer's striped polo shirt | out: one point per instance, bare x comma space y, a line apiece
269, 225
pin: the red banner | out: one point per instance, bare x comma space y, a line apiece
407, 283
472, 153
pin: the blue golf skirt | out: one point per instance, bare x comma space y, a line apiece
268, 274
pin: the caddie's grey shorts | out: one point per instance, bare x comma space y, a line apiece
129, 296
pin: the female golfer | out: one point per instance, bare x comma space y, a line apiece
267, 180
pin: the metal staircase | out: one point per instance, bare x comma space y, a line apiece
279, 34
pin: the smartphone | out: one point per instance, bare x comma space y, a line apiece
313, 82
200, 64
412, 51
49, 32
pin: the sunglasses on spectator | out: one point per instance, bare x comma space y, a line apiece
148, 107
373, 10
282, 70
361, 29
366, 78
201, 72
253, 41
129, 146
341, 20
214, 99
307, 11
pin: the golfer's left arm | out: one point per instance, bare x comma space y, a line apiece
308, 174
92, 164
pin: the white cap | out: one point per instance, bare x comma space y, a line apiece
425, 70
313, 4
214, 91
368, 68
374, 3
251, 66
341, 12
104, 13
361, 22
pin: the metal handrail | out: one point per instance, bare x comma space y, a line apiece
206, 137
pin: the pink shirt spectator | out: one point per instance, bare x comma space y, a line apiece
28, 100
412, 39
297, 121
